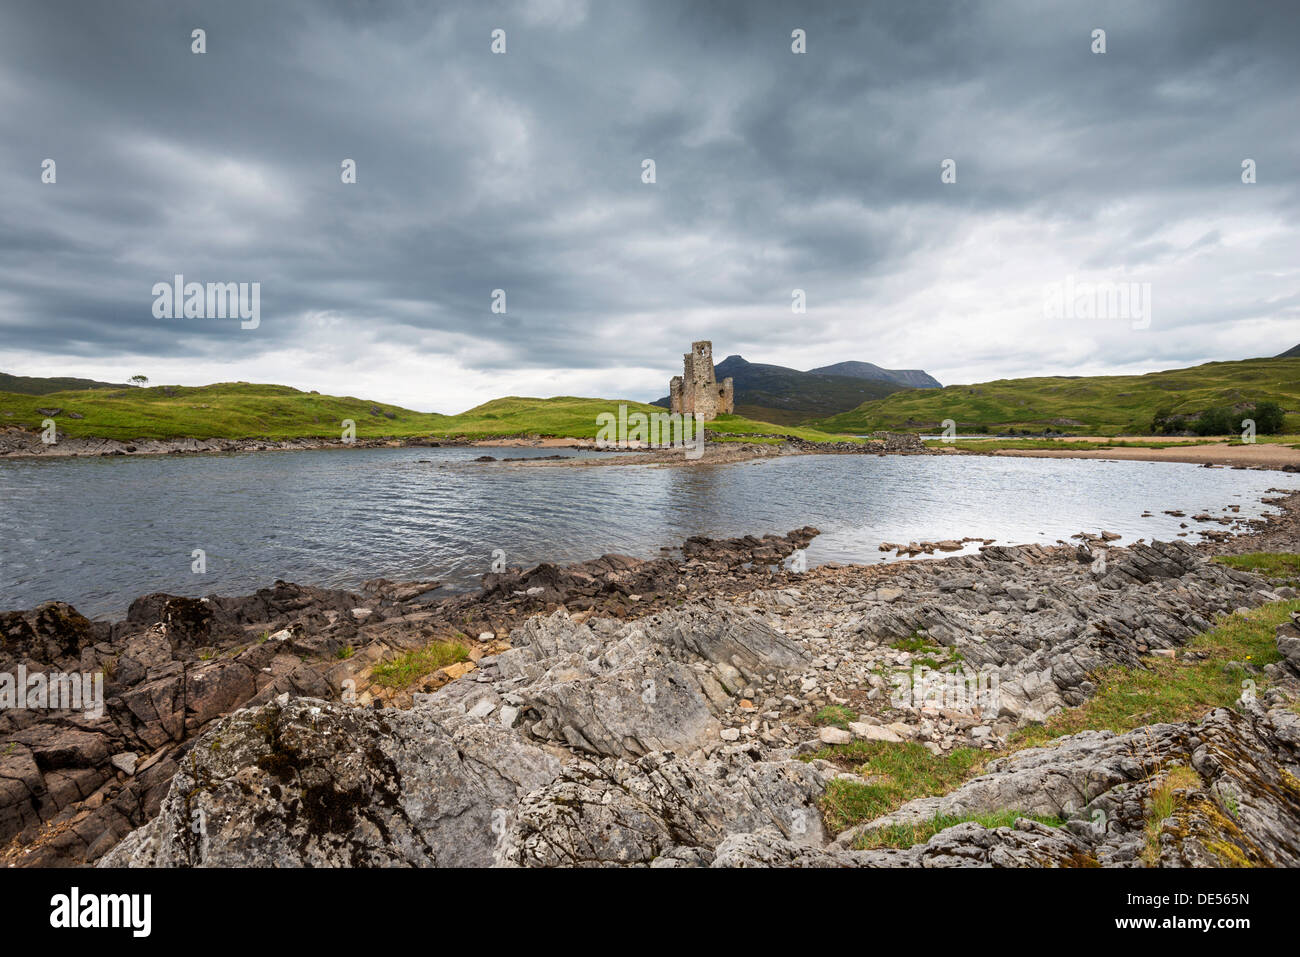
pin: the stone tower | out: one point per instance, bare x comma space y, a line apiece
696, 390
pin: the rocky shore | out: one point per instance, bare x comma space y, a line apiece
706, 708
18, 443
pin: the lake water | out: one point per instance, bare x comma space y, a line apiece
100, 532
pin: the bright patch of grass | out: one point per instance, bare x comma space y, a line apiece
907, 835
915, 643
1283, 567
835, 716
895, 773
1164, 802
404, 670
748, 428
1175, 690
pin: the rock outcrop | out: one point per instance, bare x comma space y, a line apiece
658, 713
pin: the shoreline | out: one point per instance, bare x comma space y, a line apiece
26, 446
1257, 456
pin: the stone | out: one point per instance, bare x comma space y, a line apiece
125, 762
834, 736
871, 732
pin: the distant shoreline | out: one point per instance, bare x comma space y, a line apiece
20, 444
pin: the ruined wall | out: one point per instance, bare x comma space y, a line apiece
696, 390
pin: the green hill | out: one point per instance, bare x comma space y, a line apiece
1093, 405
240, 410
37, 385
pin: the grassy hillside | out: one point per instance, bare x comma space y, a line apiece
228, 410
241, 410
1095, 405
37, 385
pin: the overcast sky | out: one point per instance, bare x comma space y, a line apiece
774, 171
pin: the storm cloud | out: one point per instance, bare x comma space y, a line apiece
522, 171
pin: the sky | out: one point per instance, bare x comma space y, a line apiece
524, 171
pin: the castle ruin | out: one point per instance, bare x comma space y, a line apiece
696, 391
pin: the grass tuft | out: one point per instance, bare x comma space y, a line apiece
403, 671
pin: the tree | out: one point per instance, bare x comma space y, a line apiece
140, 379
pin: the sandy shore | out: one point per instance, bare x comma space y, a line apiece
1259, 455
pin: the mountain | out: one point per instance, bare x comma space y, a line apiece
1083, 405
788, 397
34, 385
908, 378
1290, 353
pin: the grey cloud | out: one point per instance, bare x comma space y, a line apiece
522, 172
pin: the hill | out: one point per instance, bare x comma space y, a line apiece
1290, 353
907, 378
241, 410
788, 396
1093, 405
36, 385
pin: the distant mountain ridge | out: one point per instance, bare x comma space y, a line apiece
38, 385
787, 396
1290, 353
908, 378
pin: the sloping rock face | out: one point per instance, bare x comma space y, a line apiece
71, 785
319, 784
305, 782
1037, 622
654, 684
325, 785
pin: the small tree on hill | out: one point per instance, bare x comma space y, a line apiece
140, 379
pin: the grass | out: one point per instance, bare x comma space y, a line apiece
918, 644
1282, 567
1164, 802
749, 428
1092, 405
1175, 690
241, 410
997, 445
835, 716
404, 670
896, 774
907, 835
1126, 698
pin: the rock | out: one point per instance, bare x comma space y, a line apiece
1288, 643
834, 736
125, 762
279, 791
871, 732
